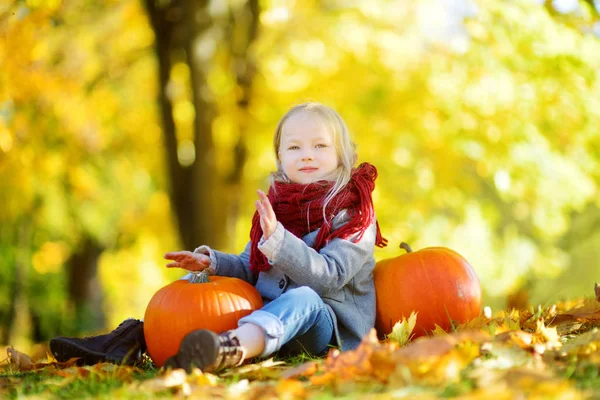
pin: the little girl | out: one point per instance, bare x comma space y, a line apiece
310, 256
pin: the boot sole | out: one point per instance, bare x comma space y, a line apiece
197, 349
64, 350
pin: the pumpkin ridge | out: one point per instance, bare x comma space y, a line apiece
166, 300
244, 290
237, 299
448, 258
216, 300
466, 275
433, 293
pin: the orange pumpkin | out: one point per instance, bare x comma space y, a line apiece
204, 302
436, 282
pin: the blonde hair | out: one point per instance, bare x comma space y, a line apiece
344, 147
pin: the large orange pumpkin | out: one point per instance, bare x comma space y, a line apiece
204, 302
436, 282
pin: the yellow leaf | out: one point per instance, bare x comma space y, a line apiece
583, 345
402, 330
202, 378
438, 331
290, 389
546, 335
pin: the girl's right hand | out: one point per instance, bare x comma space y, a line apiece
188, 260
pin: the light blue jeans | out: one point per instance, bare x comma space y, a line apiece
296, 321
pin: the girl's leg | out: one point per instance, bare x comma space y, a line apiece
298, 319
252, 339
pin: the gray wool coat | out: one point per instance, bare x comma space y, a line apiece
341, 273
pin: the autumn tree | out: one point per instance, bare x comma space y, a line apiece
482, 121
205, 39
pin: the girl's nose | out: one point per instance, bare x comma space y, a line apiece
307, 155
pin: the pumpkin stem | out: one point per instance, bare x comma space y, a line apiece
406, 247
199, 277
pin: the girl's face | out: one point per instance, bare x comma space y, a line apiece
306, 149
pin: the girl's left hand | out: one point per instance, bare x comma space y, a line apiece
268, 220
188, 260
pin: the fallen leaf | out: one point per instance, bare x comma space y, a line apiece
352, 364
262, 370
171, 379
546, 335
372, 360
436, 359
290, 389
481, 322
20, 360
542, 382
502, 355
306, 369
577, 315
578, 306
583, 345
202, 378
323, 379
431, 347
568, 327
438, 331
522, 339
77, 372
237, 389
402, 330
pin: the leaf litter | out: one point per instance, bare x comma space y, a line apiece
550, 352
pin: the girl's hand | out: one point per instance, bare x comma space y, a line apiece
268, 220
188, 260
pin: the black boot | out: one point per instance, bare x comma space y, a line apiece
208, 351
124, 345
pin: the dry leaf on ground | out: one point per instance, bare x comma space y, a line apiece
20, 360
307, 369
403, 330
179, 381
257, 371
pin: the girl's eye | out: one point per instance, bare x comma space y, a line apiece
321, 146
293, 148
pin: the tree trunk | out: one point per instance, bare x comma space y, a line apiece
19, 313
208, 207
85, 291
244, 66
201, 196
164, 19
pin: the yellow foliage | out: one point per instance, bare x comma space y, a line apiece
50, 257
485, 137
402, 330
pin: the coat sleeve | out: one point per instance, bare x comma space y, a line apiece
326, 270
232, 265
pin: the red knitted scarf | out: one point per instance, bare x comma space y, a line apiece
299, 208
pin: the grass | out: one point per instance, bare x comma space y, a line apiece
80, 383
586, 376
47, 384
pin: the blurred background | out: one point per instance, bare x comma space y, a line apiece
129, 128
